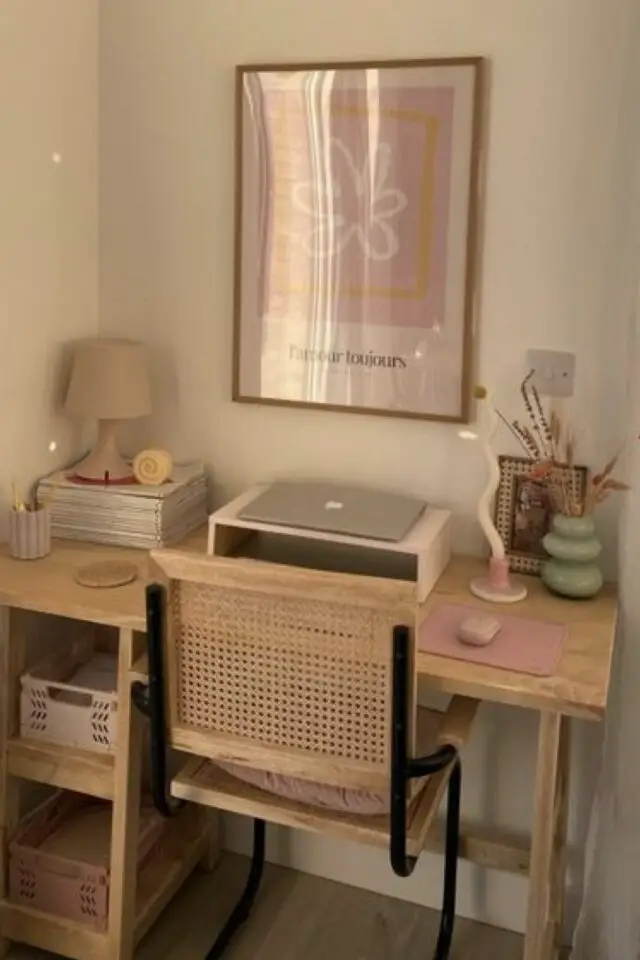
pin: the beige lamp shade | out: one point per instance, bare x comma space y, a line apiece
109, 380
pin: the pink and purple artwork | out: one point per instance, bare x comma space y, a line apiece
356, 189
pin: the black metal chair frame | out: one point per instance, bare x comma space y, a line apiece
150, 700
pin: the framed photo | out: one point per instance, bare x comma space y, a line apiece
356, 214
523, 511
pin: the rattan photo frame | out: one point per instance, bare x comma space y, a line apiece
523, 511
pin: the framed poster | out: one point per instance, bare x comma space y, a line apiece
355, 235
524, 509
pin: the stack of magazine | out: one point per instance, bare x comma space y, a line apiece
127, 515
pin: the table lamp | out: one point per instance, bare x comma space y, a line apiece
109, 382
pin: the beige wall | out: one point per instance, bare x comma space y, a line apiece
48, 220
166, 182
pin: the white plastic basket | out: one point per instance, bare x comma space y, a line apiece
71, 698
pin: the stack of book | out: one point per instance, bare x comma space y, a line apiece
128, 515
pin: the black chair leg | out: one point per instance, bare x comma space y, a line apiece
149, 698
242, 909
452, 849
404, 769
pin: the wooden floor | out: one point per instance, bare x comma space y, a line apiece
299, 917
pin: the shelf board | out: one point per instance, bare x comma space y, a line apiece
56, 934
68, 768
166, 874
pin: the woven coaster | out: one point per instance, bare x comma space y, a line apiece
108, 573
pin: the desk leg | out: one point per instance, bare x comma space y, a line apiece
12, 664
561, 819
548, 849
211, 858
126, 811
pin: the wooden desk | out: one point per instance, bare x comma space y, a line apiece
578, 689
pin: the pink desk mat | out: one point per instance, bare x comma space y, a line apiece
524, 646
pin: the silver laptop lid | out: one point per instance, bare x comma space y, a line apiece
335, 508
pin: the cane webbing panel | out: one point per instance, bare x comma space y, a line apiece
284, 671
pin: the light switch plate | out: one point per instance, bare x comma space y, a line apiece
554, 372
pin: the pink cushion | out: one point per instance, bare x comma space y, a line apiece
344, 799
309, 792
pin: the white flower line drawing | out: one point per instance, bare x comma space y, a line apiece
331, 232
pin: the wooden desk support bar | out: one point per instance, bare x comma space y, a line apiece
486, 846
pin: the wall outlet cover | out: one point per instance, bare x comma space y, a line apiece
554, 372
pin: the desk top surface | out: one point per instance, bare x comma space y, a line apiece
580, 684
579, 687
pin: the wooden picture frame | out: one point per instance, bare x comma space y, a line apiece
523, 511
356, 230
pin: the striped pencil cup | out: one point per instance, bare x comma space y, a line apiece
30, 533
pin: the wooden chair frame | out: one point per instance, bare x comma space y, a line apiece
151, 699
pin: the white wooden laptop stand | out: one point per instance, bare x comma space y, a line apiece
420, 558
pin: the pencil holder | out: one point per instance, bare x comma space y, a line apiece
30, 533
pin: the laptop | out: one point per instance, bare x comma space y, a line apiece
335, 508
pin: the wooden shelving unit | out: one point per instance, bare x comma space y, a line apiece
135, 902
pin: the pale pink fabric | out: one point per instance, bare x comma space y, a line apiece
314, 794
526, 646
311, 793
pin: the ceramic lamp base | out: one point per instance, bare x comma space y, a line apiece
497, 586
484, 589
104, 464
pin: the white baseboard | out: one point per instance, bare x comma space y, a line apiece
487, 896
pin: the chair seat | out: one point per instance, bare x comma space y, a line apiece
346, 799
354, 814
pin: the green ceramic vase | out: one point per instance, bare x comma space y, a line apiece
573, 548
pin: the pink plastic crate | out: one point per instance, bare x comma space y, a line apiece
59, 857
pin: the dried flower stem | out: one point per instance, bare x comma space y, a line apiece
512, 429
524, 392
543, 423
551, 449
